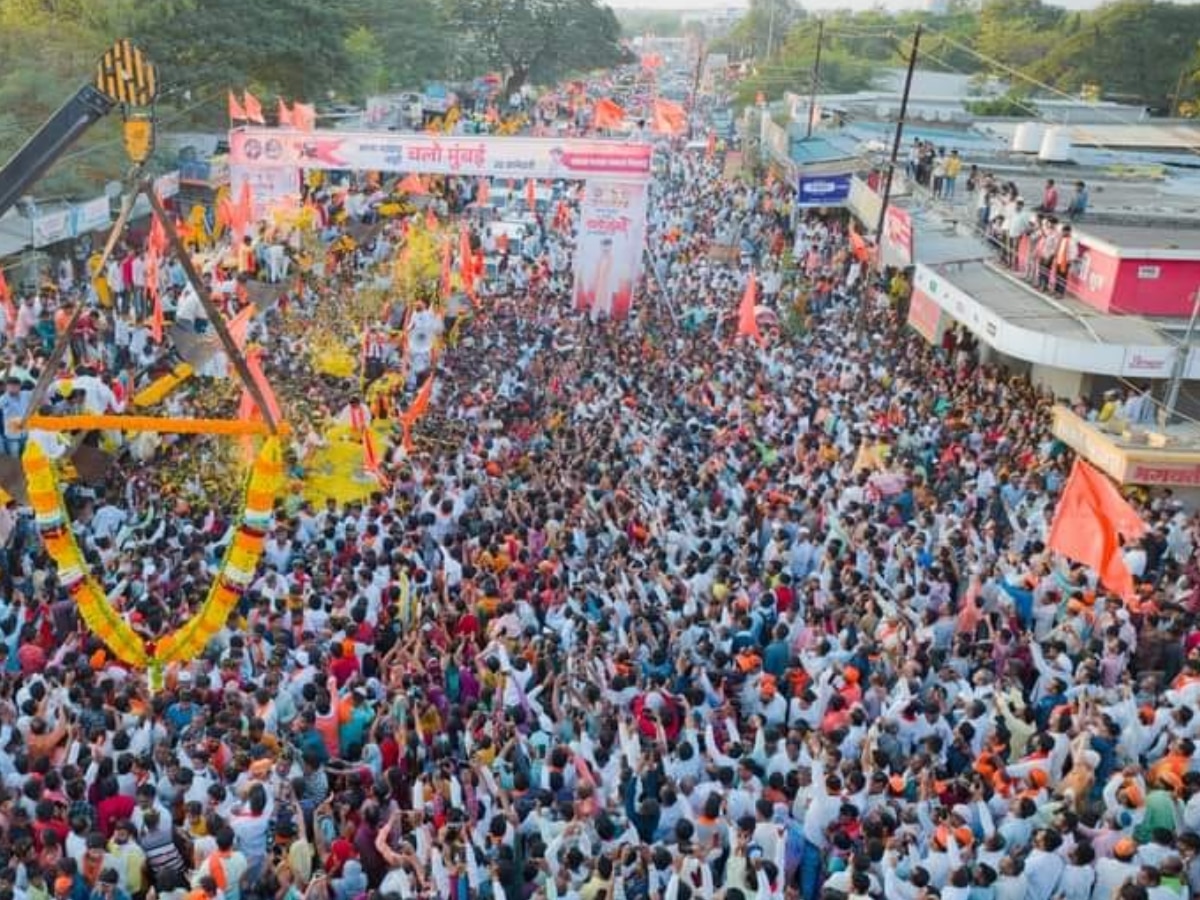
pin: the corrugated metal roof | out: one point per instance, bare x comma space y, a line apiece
819, 149
16, 233
1174, 136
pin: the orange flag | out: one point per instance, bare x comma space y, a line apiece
431, 219
464, 262
371, 458
412, 184
446, 253
1091, 514
419, 406
157, 240
10, 309
607, 114
236, 112
668, 118
285, 115
747, 323
239, 325
484, 192
304, 116
530, 193
710, 146
254, 112
859, 247
156, 318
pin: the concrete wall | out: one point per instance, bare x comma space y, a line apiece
1066, 385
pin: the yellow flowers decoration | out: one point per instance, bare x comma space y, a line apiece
235, 576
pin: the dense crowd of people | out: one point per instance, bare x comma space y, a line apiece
690, 617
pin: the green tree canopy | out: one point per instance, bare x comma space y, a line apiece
1137, 51
538, 40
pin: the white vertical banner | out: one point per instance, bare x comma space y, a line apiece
270, 186
608, 253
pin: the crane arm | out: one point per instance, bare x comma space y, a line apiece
123, 78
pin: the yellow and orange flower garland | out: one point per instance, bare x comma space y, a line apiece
236, 573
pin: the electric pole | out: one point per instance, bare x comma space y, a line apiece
816, 80
887, 178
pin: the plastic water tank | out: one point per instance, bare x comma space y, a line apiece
1056, 146
1028, 137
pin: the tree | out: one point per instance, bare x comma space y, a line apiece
762, 30
416, 40
49, 50
1135, 50
368, 69
1018, 33
538, 40
293, 48
792, 68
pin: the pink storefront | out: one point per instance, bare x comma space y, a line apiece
1135, 270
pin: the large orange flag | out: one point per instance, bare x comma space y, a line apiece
607, 114
304, 116
747, 322
464, 262
1091, 514
254, 111
419, 405
236, 111
10, 309
285, 115
668, 118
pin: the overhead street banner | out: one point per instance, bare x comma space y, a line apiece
480, 155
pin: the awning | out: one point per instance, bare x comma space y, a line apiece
1020, 322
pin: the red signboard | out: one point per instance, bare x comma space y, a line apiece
924, 315
898, 236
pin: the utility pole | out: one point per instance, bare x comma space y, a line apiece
699, 74
816, 80
771, 28
887, 178
1181, 355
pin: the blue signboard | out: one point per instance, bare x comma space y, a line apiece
823, 190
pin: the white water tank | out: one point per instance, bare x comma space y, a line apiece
1056, 145
1028, 137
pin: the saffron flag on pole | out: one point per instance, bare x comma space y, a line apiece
466, 271
419, 405
1090, 517
668, 118
236, 111
304, 116
484, 193
10, 309
607, 114
285, 115
254, 111
747, 323
531, 193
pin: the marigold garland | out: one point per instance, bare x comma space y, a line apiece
236, 573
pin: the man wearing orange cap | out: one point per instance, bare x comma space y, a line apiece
1114, 872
